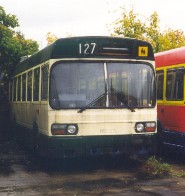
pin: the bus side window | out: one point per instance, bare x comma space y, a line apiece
11, 90
24, 87
175, 84
29, 86
14, 88
160, 84
36, 84
19, 89
179, 85
44, 83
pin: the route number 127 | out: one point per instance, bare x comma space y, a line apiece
87, 48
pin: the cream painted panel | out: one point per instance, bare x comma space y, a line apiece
103, 122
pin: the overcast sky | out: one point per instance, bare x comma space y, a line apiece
86, 17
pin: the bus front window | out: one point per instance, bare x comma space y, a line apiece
131, 85
75, 85
101, 85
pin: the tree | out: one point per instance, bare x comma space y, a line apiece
153, 34
51, 38
172, 39
13, 45
8, 20
130, 25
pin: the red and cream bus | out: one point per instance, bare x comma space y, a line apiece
170, 69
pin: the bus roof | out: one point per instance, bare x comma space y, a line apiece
170, 57
90, 47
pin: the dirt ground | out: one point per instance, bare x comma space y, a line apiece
21, 173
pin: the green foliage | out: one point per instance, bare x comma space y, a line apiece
131, 25
180, 175
51, 38
13, 45
152, 168
172, 39
8, 20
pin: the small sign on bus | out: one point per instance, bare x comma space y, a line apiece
143, 51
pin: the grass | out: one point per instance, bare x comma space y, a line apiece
181, 175
153, 168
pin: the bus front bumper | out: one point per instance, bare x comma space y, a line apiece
71, 147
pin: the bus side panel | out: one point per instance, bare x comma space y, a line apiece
40, 111
172, 132
31, 119
172, 117
22, 116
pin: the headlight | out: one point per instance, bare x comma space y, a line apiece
71, 129
139, 127
145, 127
64, 129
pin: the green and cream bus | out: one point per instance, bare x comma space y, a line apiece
84, 96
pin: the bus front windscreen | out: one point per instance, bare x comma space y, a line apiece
86, 85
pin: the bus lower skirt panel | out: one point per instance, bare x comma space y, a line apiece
72, 147
172, 140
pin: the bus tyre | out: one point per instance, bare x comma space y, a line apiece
13, 128
35, 139
160, 147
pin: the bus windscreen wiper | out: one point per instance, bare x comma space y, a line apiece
91, 103
120, 97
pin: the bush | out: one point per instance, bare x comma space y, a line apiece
153, 168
